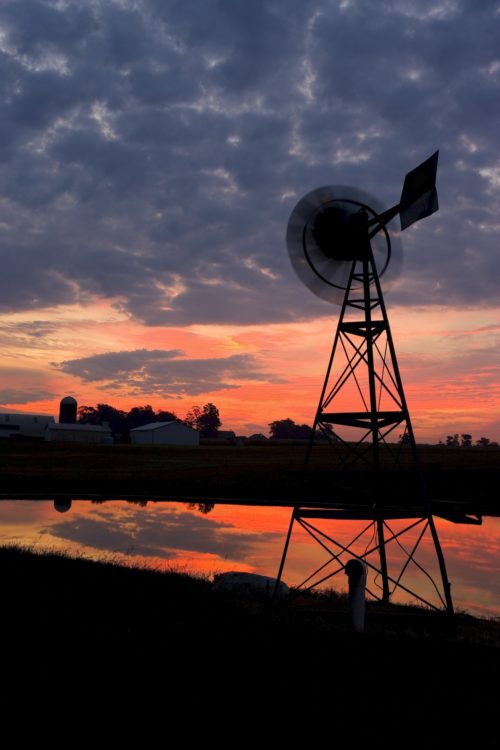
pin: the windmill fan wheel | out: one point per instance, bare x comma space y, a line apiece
328, 232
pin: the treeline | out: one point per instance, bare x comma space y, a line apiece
287, 429
206, 419
464, 440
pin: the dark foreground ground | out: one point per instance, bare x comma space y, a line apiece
272, 473
114, 653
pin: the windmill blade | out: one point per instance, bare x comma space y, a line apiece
419, 197
323, 267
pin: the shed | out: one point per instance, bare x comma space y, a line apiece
165, 433
227, 437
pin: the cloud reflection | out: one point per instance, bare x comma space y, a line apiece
155, 532
244, 538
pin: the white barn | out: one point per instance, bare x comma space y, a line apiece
27, 425
78, 433
165, 433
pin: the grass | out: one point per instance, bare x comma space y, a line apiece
138, 647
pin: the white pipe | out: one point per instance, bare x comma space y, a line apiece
355, 570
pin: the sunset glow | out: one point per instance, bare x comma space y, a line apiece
448, 357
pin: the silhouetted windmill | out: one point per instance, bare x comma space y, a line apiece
340, 246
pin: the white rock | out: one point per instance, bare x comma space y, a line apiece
249, 584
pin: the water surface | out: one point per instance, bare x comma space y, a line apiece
230, 537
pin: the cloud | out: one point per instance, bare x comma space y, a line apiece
163, 372
24, 396
153, 155
22, 385
156, 532
32, 335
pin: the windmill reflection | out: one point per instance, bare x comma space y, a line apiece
63, 504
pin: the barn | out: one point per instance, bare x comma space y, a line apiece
165, 433
78, 433
24, 425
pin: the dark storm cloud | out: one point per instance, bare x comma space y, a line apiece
151, 532
152, 154
164, 373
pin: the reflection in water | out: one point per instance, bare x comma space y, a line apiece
245, 538
202, 507
62, 505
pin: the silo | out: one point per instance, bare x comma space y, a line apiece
67, 410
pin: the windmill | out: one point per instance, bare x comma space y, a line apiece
340, 247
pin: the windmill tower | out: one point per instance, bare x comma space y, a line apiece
340, 247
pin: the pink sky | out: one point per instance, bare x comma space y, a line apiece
448, 359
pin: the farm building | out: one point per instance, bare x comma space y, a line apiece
24, 425
78, 433
68, 408
165, 433
227, 435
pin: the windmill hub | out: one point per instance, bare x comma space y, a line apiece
335, 227
340, 230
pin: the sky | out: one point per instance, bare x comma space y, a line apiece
152, 152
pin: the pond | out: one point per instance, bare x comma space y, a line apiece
187, 538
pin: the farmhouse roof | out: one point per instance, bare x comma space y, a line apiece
157, 425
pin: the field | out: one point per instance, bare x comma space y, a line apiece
271, 473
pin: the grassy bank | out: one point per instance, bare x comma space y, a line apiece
270, 472
131, 645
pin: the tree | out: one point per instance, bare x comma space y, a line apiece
466, 440
201, 507
286, 429
483, 442
326, 432
209, 421
166, 416
452, 441
191, 418
116, 418
87, 415
139, 416
302, 432
206, 420
282, 429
